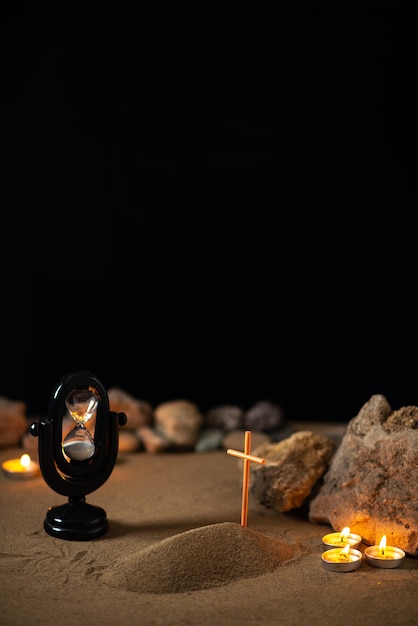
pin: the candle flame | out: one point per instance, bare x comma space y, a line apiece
382, 545
344, 533
25, 460
344, 552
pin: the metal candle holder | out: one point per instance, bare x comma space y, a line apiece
80, 475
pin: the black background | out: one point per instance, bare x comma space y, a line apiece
207, 206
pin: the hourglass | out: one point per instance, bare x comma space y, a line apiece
80, 462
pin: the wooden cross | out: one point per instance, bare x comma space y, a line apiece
246, 473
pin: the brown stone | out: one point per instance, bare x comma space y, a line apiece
178, 422
371, 483
138, 412
13, 422
151, 440
128, 441
292, 468
30, 443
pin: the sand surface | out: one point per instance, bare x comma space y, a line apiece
176, 553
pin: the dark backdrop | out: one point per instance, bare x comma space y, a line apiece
220, 208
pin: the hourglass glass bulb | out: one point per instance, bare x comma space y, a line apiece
81, 404
79, 444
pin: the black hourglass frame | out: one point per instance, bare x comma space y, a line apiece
75, 479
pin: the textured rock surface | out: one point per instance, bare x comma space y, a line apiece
292, 469
371, 483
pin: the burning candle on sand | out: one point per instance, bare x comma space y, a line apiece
346, 559
341, 539
21, 468
383, 555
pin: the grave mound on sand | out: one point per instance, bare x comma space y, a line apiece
198, 559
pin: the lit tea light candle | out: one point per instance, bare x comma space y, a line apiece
383, 555
346, 559
21, 468
341, 539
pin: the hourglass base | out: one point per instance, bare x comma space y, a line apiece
76, 521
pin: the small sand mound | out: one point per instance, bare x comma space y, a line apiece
198, 559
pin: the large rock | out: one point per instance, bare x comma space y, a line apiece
291, 470
372, 481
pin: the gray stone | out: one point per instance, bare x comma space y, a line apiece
292, 469
371, 482
264, 416
226, 417
209, 439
